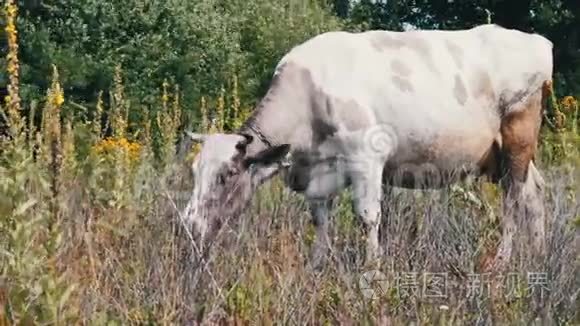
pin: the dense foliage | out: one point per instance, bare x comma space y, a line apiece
558, 20
201, 45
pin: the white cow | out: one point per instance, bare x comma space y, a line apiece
412, 109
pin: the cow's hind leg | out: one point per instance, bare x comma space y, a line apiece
521, 181
535, 209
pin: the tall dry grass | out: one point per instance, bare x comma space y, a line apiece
90, 232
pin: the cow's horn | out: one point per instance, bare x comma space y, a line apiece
196, 137
247, 140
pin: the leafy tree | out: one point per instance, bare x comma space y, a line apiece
199, 45
558, 20
341, 8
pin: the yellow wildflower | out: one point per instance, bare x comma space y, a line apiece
10, 29
568, 103
11, 10
165, 96
196, 149
559, 120
12, 67
111, 145
58, 99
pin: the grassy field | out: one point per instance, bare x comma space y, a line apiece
90, 232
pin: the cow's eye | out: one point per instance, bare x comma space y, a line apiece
221, 179
232, 172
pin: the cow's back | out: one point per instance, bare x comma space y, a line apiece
441, 67
442, 92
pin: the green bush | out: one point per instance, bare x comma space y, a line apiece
199, 45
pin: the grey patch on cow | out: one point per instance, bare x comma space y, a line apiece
423, 48
534, 79
400, 68
329, 110
323, 130
298, 176
381, 41
322, 110
325, 108
459, 90
515, 100
456, 53
282, 113
345, 109
482, 87
403, 84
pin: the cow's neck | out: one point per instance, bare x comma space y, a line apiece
282, 116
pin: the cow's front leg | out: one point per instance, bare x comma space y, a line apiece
320, 210
367, 191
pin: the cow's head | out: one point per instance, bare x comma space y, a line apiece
225, 176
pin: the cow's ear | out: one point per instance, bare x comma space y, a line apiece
268, 156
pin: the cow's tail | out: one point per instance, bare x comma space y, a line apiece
548, 99
547, 90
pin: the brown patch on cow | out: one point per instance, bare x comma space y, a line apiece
467, 147
459, 90
382, 41
489, 164
400, 68
482, 87
547, 91
519, 132
403, 84
454, 155
456, 53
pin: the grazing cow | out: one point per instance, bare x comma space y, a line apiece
415, 109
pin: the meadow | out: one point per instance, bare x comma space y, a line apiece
90, 231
